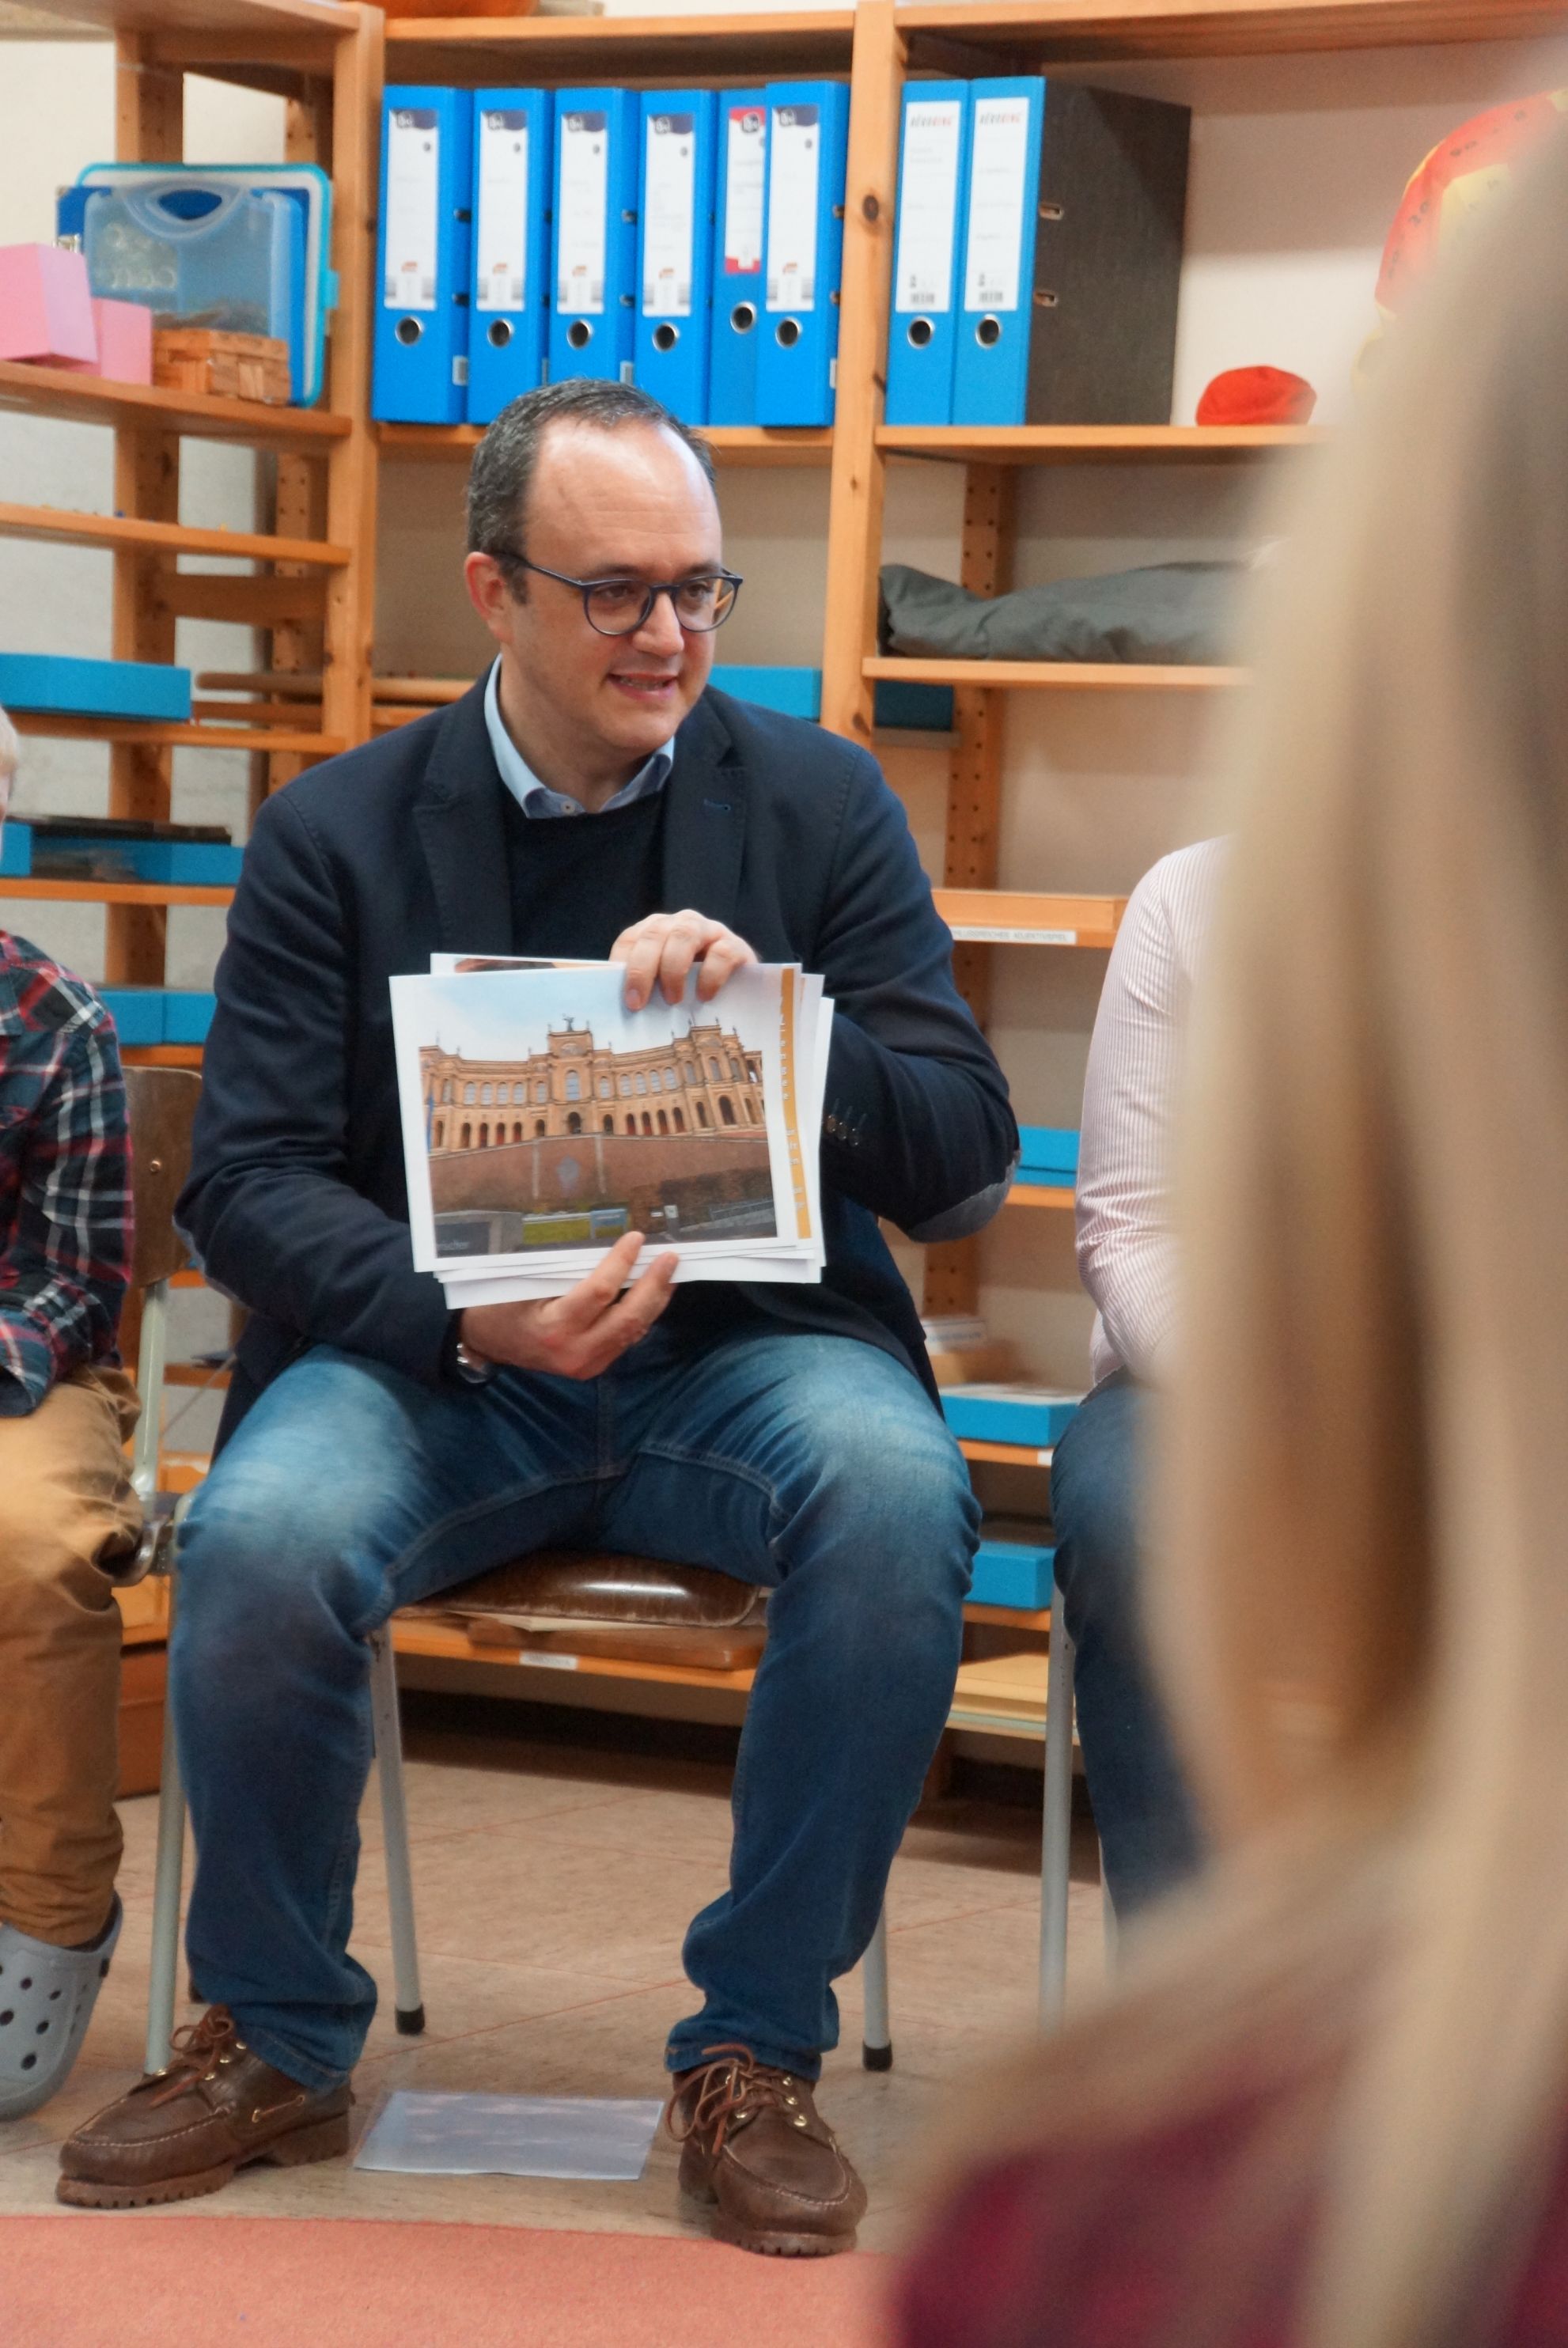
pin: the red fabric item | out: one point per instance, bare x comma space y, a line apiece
1257, 395
1098, 2247
1457, 181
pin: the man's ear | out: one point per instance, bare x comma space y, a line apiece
489, 593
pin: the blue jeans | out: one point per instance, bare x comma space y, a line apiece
813, 1466
1149, 1836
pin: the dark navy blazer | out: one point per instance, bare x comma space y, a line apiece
367, 864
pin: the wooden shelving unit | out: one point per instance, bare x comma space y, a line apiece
310, 584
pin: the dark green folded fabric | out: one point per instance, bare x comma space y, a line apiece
1171, 612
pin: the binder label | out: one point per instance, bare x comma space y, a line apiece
501, 277
579, 231
669, 206
927, 205
413, 208
743, 151
996, 198
794, 164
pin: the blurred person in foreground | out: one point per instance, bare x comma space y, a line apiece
1328, 2107
66, 1504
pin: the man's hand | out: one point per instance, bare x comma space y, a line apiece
579, 1334
662, 950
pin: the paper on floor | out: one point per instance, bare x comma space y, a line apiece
602, 2137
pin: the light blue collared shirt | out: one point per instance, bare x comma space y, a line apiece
536, 799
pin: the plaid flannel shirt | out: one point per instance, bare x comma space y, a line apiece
65, 1178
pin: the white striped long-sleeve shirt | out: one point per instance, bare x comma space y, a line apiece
1124, 1232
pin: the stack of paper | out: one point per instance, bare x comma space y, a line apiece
541, 1120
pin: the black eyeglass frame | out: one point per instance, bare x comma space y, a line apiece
585, 587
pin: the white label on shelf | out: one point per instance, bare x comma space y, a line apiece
582, 226
744, 148
669, 215
978, 936
927, 205
413, 208
794, 161
996, 203
547, 1662
501, 231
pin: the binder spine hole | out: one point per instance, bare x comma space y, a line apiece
497, 334
408, 330
579, 334
1044, 301
666, 336
786, 334
743, 317
920, 332
1053, 211
988, 333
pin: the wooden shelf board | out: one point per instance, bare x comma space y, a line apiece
265, 20
116, 893
1009, 1618
1025, 917
1056, 676
1105, 30
1040, 1194
85, 399
1006, 1455
455, 1646
156, 736
1096, 444
120, 533
745, 445
646, 49
166, 1055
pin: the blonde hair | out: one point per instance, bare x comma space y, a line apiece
1359, 1592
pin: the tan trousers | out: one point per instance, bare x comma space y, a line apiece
66, 1501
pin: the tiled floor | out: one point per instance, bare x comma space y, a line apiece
554, 1886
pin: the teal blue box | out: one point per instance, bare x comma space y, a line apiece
1049, 1153
137, 1012
187, 1015
15, 850
67, 687
795, 692
1013, 1574
1008, 1414
184, 863
911, 708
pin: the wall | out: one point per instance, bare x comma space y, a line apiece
1297, 168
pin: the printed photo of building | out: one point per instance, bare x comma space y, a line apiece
572, 1144
705, 1082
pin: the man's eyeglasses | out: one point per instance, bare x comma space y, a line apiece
619, 607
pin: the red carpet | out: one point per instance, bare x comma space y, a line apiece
278, 2282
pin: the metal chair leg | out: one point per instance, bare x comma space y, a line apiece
407, 2004
167, 1872
876, 2050
1055, 1859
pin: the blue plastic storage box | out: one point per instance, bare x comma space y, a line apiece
187, 1016
15, 851
1013, 1574
137, 1012
66, 687
1051, 1154
797, 692
180, 863
1032, 1415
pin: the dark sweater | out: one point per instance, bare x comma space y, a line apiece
577, 881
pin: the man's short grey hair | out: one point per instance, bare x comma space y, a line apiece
7, 758
505, 459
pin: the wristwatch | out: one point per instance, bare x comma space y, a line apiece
470, 1367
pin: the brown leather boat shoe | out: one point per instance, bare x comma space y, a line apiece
759, 2162
183, 2131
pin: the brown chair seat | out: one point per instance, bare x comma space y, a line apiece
600, 1603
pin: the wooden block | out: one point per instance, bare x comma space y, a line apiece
144, 1610
142, 1675
228, 367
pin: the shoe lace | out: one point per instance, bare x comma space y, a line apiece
195, 2050
727, 2091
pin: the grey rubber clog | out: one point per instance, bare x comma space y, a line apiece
47, 2000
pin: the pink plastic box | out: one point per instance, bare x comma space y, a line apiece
124, 341
46, 307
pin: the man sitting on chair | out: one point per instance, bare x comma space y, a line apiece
66, 1504
593, 797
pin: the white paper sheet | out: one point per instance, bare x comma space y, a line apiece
605, 2138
